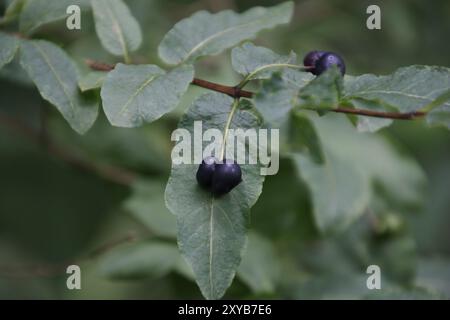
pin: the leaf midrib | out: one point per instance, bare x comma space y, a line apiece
58, 79
227, 127
351, 96
117, 30
271, 65
216, 35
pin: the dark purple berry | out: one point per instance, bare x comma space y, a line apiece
205, 172
226, 177
311, 59
327, 60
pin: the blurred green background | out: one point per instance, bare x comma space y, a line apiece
52, 214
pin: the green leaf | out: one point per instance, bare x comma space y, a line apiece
147, 259
438, 112
407, 89
56, 78
259, 268
274, 99
136, 94
343, 187
36, 13
339, 191
12, 11
91, 81
212, 231
254, 62
147, 205
322, 93
118, 30
439, 116
8, 48
303, 137
205, 34
399, 177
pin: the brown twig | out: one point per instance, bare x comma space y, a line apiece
235, 92
99, 66
231, 91
111, 173
381, 114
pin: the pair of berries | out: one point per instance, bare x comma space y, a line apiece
320, 61
219, 177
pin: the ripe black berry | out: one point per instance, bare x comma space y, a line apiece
311, 59
327, 60
205, 172
226, 177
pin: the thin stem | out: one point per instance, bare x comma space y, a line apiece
227, 127
237, 92
251, 75
99, 66
126, 57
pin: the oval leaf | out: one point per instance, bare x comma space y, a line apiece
118, 30
56, 78
133, 95
208, 34
212, 231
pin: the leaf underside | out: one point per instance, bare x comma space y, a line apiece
118, 30
56, 78
135, 94
209, 34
